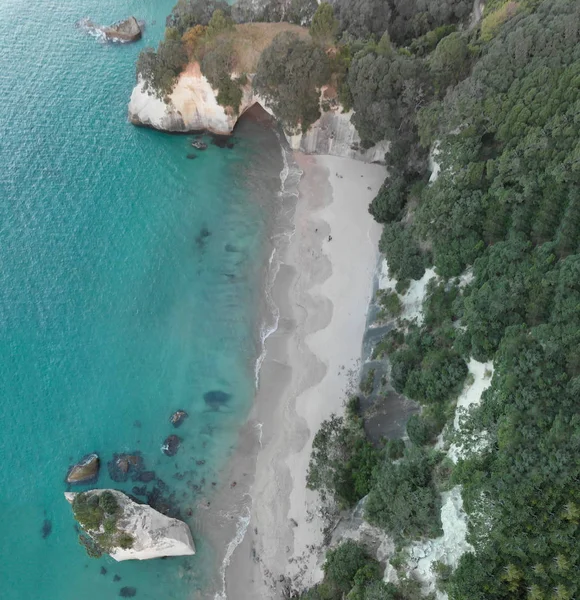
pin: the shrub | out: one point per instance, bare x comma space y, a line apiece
388, 204
402, 286
192, 40
87, 511
394, 449
367, 384
300, 12
404, 257
219, 23
344, 564
289, 74
403, 500
451, 60
390, 303
424, 428
125, 541
492, 23
108, 503
159, 70
217, 65
324, 26
342, 460
439, 378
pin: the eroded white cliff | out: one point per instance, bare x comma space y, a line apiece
193, 106
154, 534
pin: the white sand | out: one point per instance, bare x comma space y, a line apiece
323, 291
412, 300
447, 548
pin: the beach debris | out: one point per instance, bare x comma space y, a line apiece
126, 465
46, 528
215, 399
128, 592
199, 145
233, 484
330, 238
171, 445
293, 522
178, 417
85, 471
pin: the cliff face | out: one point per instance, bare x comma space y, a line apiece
193, 106
154, 535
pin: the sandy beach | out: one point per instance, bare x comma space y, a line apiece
322, 291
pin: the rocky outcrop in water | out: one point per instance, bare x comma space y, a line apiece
171, 445
85, 471
178, 417
128, 30
193, 106
152, 535
125, 465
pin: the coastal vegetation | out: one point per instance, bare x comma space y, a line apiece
98, 515
500, 104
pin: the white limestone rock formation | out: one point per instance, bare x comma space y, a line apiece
154, 535
193, 106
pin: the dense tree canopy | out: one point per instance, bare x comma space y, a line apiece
289, 75
403, 499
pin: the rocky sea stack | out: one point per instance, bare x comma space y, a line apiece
128, 30
114, 524
85, 471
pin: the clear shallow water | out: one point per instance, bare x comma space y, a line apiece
116, 307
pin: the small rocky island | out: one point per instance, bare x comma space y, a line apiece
128, 30
114, 524
85, 471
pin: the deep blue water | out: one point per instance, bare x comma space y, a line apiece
116, 306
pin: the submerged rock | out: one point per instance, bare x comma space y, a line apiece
144, 532
46, 528
178, 417
215, 399
85, 471
128, 592
171, 445
125, 465
146, 476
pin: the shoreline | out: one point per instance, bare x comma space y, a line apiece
322, 289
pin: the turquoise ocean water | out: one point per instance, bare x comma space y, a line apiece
129, 281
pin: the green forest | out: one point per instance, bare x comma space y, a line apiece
499, 101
